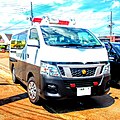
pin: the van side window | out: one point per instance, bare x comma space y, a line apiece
34, 34
18, 41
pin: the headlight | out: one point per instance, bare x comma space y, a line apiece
106, 69
49, 69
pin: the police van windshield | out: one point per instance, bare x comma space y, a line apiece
66, 36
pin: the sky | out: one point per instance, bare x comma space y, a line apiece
94, 15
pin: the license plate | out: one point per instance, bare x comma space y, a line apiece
83, 91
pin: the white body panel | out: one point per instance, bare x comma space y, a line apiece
34, 55
59, 54
73, 54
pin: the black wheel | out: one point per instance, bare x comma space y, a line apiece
32, 91
15, 80
118, 83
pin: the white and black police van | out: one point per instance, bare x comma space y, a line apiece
56, 60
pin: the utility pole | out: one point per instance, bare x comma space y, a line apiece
31, 14
111, 24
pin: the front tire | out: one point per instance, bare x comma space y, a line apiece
32, 91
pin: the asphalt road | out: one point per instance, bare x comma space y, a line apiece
15, 105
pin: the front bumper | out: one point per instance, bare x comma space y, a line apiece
59, 88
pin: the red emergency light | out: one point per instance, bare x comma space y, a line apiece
62, 22
37, 20
59, 22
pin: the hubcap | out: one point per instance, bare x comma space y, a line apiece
32, 90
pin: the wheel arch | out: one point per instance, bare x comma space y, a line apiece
30, 74
12, 66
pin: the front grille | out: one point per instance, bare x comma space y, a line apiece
77, 72
61, 71
80, 71
82, 82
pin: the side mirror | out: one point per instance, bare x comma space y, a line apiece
114, 57
33, 43
111, 58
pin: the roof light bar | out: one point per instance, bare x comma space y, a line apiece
51, 21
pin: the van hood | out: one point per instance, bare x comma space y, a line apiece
60, 54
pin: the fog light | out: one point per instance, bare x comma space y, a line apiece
95, 83
73, 85
52, 88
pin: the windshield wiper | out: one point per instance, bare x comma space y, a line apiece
67, 44
75, 45
72, 44
92, 46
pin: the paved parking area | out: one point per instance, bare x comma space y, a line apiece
15, 105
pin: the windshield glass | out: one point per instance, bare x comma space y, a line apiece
66, 36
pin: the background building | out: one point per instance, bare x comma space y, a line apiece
4, 42
109, 38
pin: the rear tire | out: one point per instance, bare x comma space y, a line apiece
33, 93
118, 83
14, 78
